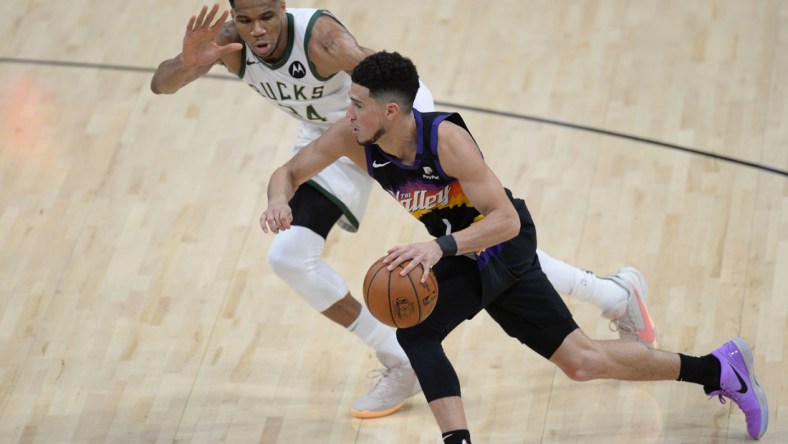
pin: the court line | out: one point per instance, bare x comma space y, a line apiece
619, 135
720, 157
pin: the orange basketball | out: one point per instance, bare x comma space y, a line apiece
399, 301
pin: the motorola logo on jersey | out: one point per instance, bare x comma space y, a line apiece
297, 70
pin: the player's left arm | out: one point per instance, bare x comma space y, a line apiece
332, 48
460, 158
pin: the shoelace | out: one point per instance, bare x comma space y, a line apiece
720, 394
384, 382
627, 326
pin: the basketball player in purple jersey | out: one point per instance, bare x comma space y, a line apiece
299, 60
484, 251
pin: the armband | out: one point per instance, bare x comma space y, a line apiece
448, 245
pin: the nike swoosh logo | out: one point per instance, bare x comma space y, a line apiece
251, 63
742, 384
378, 165
647, 334
448, 436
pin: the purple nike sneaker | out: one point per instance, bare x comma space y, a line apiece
737, 382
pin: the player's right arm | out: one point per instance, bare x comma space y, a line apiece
205, 43
335, 142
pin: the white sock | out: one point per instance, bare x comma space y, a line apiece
571, 281
382, 338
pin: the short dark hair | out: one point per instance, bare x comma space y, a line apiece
388, 76
232, 4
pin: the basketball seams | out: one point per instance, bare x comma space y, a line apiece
388, 298
416, 294
434, 285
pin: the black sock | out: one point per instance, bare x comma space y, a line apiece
457, 437
704, 370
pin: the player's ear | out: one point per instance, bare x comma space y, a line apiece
392, 110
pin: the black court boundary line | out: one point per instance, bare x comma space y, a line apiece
619, 135
511, 115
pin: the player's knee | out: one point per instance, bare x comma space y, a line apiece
295, 257
580, 366
420, 342
283, 263
288, 260
577, 373
422, 350
405, 339
412, 340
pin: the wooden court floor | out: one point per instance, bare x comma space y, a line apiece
136, 303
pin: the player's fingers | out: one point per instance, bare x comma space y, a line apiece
392, 254
231, 47
284, 222
413, 261
407, 266
285, 217
270, 222
425, 274
264, 222
273, 222
200, 18
209, 18
281, 219
190, 25
222, 19
394, 259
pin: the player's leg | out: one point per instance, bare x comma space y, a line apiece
584, 285
450, 415
458, 277
583, 359
296, 256
622, 297
533, 312
726, 372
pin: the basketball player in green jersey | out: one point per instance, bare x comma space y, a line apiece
300, 59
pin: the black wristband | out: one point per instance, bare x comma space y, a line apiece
448, 245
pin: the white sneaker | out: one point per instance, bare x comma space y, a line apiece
631, 318
396, 384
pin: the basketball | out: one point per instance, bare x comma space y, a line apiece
399, 301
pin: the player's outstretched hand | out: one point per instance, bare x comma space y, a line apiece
199, 46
